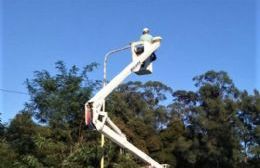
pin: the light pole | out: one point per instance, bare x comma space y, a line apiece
104, 84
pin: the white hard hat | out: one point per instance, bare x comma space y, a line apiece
145, 30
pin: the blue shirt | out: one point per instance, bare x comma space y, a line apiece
146, 37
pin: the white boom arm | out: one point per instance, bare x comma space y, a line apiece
99, 118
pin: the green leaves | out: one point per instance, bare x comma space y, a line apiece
7, 154
212, 126
2, 128
83, 155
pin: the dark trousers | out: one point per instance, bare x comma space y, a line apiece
153, 57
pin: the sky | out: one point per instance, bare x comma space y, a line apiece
198, 35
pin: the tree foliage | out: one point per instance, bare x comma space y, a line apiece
215, 125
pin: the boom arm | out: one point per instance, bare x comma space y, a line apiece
93, 108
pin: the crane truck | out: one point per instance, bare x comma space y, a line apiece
94, 115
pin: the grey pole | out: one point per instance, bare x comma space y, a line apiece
104, 84
106, 59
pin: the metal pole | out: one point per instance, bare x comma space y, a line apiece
106, 59
104, 84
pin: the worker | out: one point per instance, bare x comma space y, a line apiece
146, 36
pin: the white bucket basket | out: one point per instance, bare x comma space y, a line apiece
142, 47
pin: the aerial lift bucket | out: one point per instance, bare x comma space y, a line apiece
137, 48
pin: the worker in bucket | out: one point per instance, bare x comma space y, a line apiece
146, 36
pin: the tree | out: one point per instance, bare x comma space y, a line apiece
7, 155
249, 118
138, 111
144, 101
213, 126
20, 132
217, 109
205, 114
59, 100
2, 127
